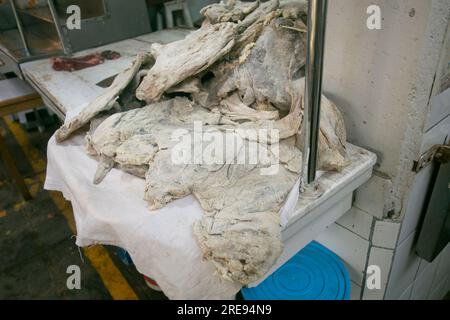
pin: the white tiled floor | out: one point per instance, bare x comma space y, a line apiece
406, 295
385, 234
351, 248
383, 259
404, 269
355, 293
371, 196
357, 221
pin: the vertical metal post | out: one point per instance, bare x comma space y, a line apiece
317, 15
59, 30
20, 28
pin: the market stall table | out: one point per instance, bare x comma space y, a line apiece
161, 243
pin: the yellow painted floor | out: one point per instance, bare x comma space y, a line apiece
37, 238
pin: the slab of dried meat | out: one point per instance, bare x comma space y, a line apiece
239, 74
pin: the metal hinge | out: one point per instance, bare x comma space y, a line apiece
438, 152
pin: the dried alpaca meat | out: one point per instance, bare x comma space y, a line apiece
139, 128
276, 59
181, 60
254, 84
262, 71
103, 102
231, 11
332, 136
177, 61
241, 237
294, 9
249, 229
234, 109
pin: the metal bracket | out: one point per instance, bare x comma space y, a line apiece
59, 30
438, 152
20, 28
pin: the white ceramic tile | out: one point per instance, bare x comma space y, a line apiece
415, 203
406, 295
370, 197
357, 221
383, 259
355, 293
423, 284
404, 269
441, 290
425, 265
351, 248
443, 268
385, 234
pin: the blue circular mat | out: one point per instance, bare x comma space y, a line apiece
315, 273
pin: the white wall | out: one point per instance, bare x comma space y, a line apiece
382, 80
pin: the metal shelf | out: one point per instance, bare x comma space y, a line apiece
11, 44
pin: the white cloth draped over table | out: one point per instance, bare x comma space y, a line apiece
161, 243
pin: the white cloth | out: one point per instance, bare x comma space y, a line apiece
161, 243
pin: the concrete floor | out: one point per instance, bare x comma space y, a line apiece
37, 241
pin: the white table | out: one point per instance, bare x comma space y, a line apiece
64, 91
161, 243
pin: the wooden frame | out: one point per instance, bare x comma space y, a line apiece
19, 104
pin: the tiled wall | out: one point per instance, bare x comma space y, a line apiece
351, 248
411, 276
362, 240
365, 236
416, 279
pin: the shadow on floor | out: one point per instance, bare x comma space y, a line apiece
37, 245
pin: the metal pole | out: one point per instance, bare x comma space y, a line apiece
20, 28
59, 30
317, 15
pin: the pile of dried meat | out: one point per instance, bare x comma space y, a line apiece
237, 80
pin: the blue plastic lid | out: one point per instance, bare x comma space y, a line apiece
315, 273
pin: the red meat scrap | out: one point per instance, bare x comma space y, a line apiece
83, 62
